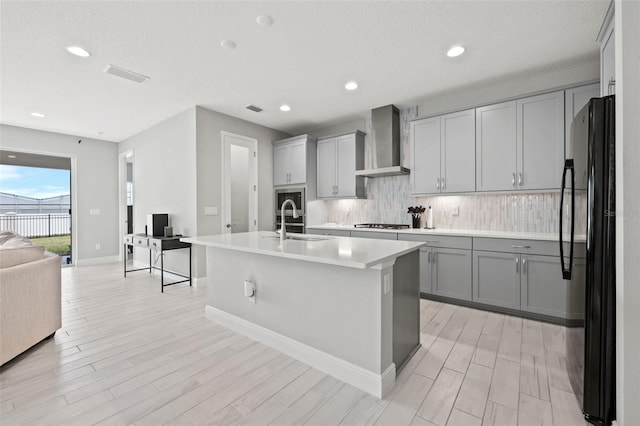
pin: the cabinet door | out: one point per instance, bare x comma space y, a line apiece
281, 165
425, 156
545, 292
425, 270
496, 147
608, 63
451, 273
298, 162
574, 100
540, 148
346, 166
458, 156
496, 278
326, 170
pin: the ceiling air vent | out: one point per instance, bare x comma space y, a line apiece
254, 108
126, 74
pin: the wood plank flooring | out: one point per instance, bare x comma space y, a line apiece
128, 354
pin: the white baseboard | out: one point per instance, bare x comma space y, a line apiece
376, 384
98, 260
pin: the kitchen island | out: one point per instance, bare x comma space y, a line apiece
346, 306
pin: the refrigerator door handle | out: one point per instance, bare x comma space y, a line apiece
568, 165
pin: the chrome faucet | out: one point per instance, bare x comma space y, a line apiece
283, 231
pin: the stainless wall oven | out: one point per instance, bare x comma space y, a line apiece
297, 195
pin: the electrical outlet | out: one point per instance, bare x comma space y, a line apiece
98, 246
387, 283
348, 211
211, 211
250, 290
455, 211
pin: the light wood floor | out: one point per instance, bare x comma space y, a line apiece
129, 354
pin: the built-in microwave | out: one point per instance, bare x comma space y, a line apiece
297, 195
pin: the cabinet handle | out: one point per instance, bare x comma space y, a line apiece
517, 266
336, 189
524, 266
433, 257
612, 83
520, 178
513, 179
514, 246
438, 184
442, 186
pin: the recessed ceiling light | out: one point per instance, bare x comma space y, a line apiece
38, 114
11, 156
78, 51
455, 51
285, 108
352, 85
264, 20
228, 44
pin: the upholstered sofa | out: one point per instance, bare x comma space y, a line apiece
30, 296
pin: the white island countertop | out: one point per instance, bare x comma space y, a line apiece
341, 251
455, 232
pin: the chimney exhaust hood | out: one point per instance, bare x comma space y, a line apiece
384, 140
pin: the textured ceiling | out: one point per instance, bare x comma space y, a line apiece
395, 50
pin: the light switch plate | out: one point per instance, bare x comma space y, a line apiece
211, 211
94, 212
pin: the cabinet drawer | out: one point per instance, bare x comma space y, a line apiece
155, 244
376, 235
141, 241
543, 248
333, 232
445, 241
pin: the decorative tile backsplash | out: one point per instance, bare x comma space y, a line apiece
388, 199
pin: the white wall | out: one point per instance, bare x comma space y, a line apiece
96, 164
627, 33
507, 87
164, 180
209, 160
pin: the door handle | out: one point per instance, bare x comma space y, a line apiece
517, 265
520, 178
513, 179
229, 225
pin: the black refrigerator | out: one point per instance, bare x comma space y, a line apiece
593, 162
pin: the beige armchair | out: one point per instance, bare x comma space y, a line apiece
30, 298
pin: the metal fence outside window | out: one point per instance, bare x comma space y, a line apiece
36, 225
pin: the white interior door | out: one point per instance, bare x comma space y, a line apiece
240, 185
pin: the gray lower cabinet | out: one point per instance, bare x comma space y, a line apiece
545, 292
496, 278
450, 272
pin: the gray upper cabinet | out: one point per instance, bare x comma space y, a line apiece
338, 159
574, 100
540, 141
425, 156
443, 153
520, 144
496, 147
606, 38
293, 160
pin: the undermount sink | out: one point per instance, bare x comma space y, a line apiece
299, 237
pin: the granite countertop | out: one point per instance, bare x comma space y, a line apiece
456, 232
341, 251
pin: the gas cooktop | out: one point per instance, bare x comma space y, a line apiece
380, 226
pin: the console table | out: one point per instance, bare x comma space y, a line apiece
157, 245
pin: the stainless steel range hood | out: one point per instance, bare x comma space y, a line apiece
384, 140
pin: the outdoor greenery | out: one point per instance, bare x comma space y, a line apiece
60, 244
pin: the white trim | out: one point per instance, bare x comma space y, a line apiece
376, 384
98, 260
252, 144
122, 197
